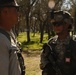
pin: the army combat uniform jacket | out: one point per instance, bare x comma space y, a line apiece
64, 56
9, 64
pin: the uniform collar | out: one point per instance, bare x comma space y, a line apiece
64, 41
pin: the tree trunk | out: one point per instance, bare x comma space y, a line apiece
28, 28
42, 32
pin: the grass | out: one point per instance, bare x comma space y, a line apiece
34, 44
32, 65
32, 62
32, 54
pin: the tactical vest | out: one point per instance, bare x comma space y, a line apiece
69, 58
68, 47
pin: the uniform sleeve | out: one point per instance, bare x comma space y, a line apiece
8, 61
44, 56
4, 58
43, 61
14, 64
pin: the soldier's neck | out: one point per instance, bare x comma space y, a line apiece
63, 36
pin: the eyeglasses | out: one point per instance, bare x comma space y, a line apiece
58, 23
11, 6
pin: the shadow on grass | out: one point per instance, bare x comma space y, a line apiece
30, 52
27, 43
31, 43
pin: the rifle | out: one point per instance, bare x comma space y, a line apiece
52, 57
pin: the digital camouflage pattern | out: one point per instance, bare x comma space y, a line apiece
65, 51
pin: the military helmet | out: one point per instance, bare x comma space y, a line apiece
62, 16
4, 3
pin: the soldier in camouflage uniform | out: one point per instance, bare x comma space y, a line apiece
58, 56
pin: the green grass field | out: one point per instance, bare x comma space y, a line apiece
34, 44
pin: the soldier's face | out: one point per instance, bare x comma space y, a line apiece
13, 15
9, 17
60, 28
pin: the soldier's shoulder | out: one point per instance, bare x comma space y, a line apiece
73, 40
74, 37
53, 39
50, 41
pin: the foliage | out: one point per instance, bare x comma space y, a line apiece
34, 43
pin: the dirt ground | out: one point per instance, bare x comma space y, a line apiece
32, 61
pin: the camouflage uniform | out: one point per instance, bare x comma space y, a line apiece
66, 60
59, 56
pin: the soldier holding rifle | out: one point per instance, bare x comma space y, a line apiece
58, 56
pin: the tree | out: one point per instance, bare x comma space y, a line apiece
36, 15
26, 10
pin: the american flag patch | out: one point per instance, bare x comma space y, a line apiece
67, 59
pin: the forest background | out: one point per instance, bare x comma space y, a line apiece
35, 16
